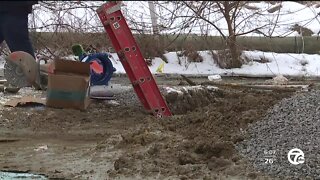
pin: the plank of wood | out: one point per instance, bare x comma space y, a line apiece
260, 86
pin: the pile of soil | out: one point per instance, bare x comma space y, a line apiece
117, 141
184, 99
198, 142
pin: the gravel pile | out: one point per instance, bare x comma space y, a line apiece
127, 96
292, 123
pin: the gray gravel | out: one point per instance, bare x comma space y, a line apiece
128, 97
292, 123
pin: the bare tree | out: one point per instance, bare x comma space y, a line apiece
232, 19
230, 11
67, 22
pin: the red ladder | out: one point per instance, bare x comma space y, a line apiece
131, 58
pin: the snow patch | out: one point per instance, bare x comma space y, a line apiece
286, 64
214, 77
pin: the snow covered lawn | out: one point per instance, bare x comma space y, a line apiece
279, 63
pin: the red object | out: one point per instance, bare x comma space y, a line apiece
96, 67
132, 60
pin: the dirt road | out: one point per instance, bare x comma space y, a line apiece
110, 141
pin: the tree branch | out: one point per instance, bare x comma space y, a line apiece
206, 20
255, 29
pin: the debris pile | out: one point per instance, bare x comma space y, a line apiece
278, 80
187, 98
180, 99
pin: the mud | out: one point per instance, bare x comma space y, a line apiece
120, 141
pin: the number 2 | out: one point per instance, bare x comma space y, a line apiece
268, 161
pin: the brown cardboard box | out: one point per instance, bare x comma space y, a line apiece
68, 85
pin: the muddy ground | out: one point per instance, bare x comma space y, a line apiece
111, 141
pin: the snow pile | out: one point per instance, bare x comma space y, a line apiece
182, 99
182, 89
172, 90
279, 80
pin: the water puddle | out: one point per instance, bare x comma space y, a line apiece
18, 175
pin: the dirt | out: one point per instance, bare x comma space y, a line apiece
115, 141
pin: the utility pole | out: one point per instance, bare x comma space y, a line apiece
154, 19
156, 30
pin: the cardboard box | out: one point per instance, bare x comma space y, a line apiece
68, 85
